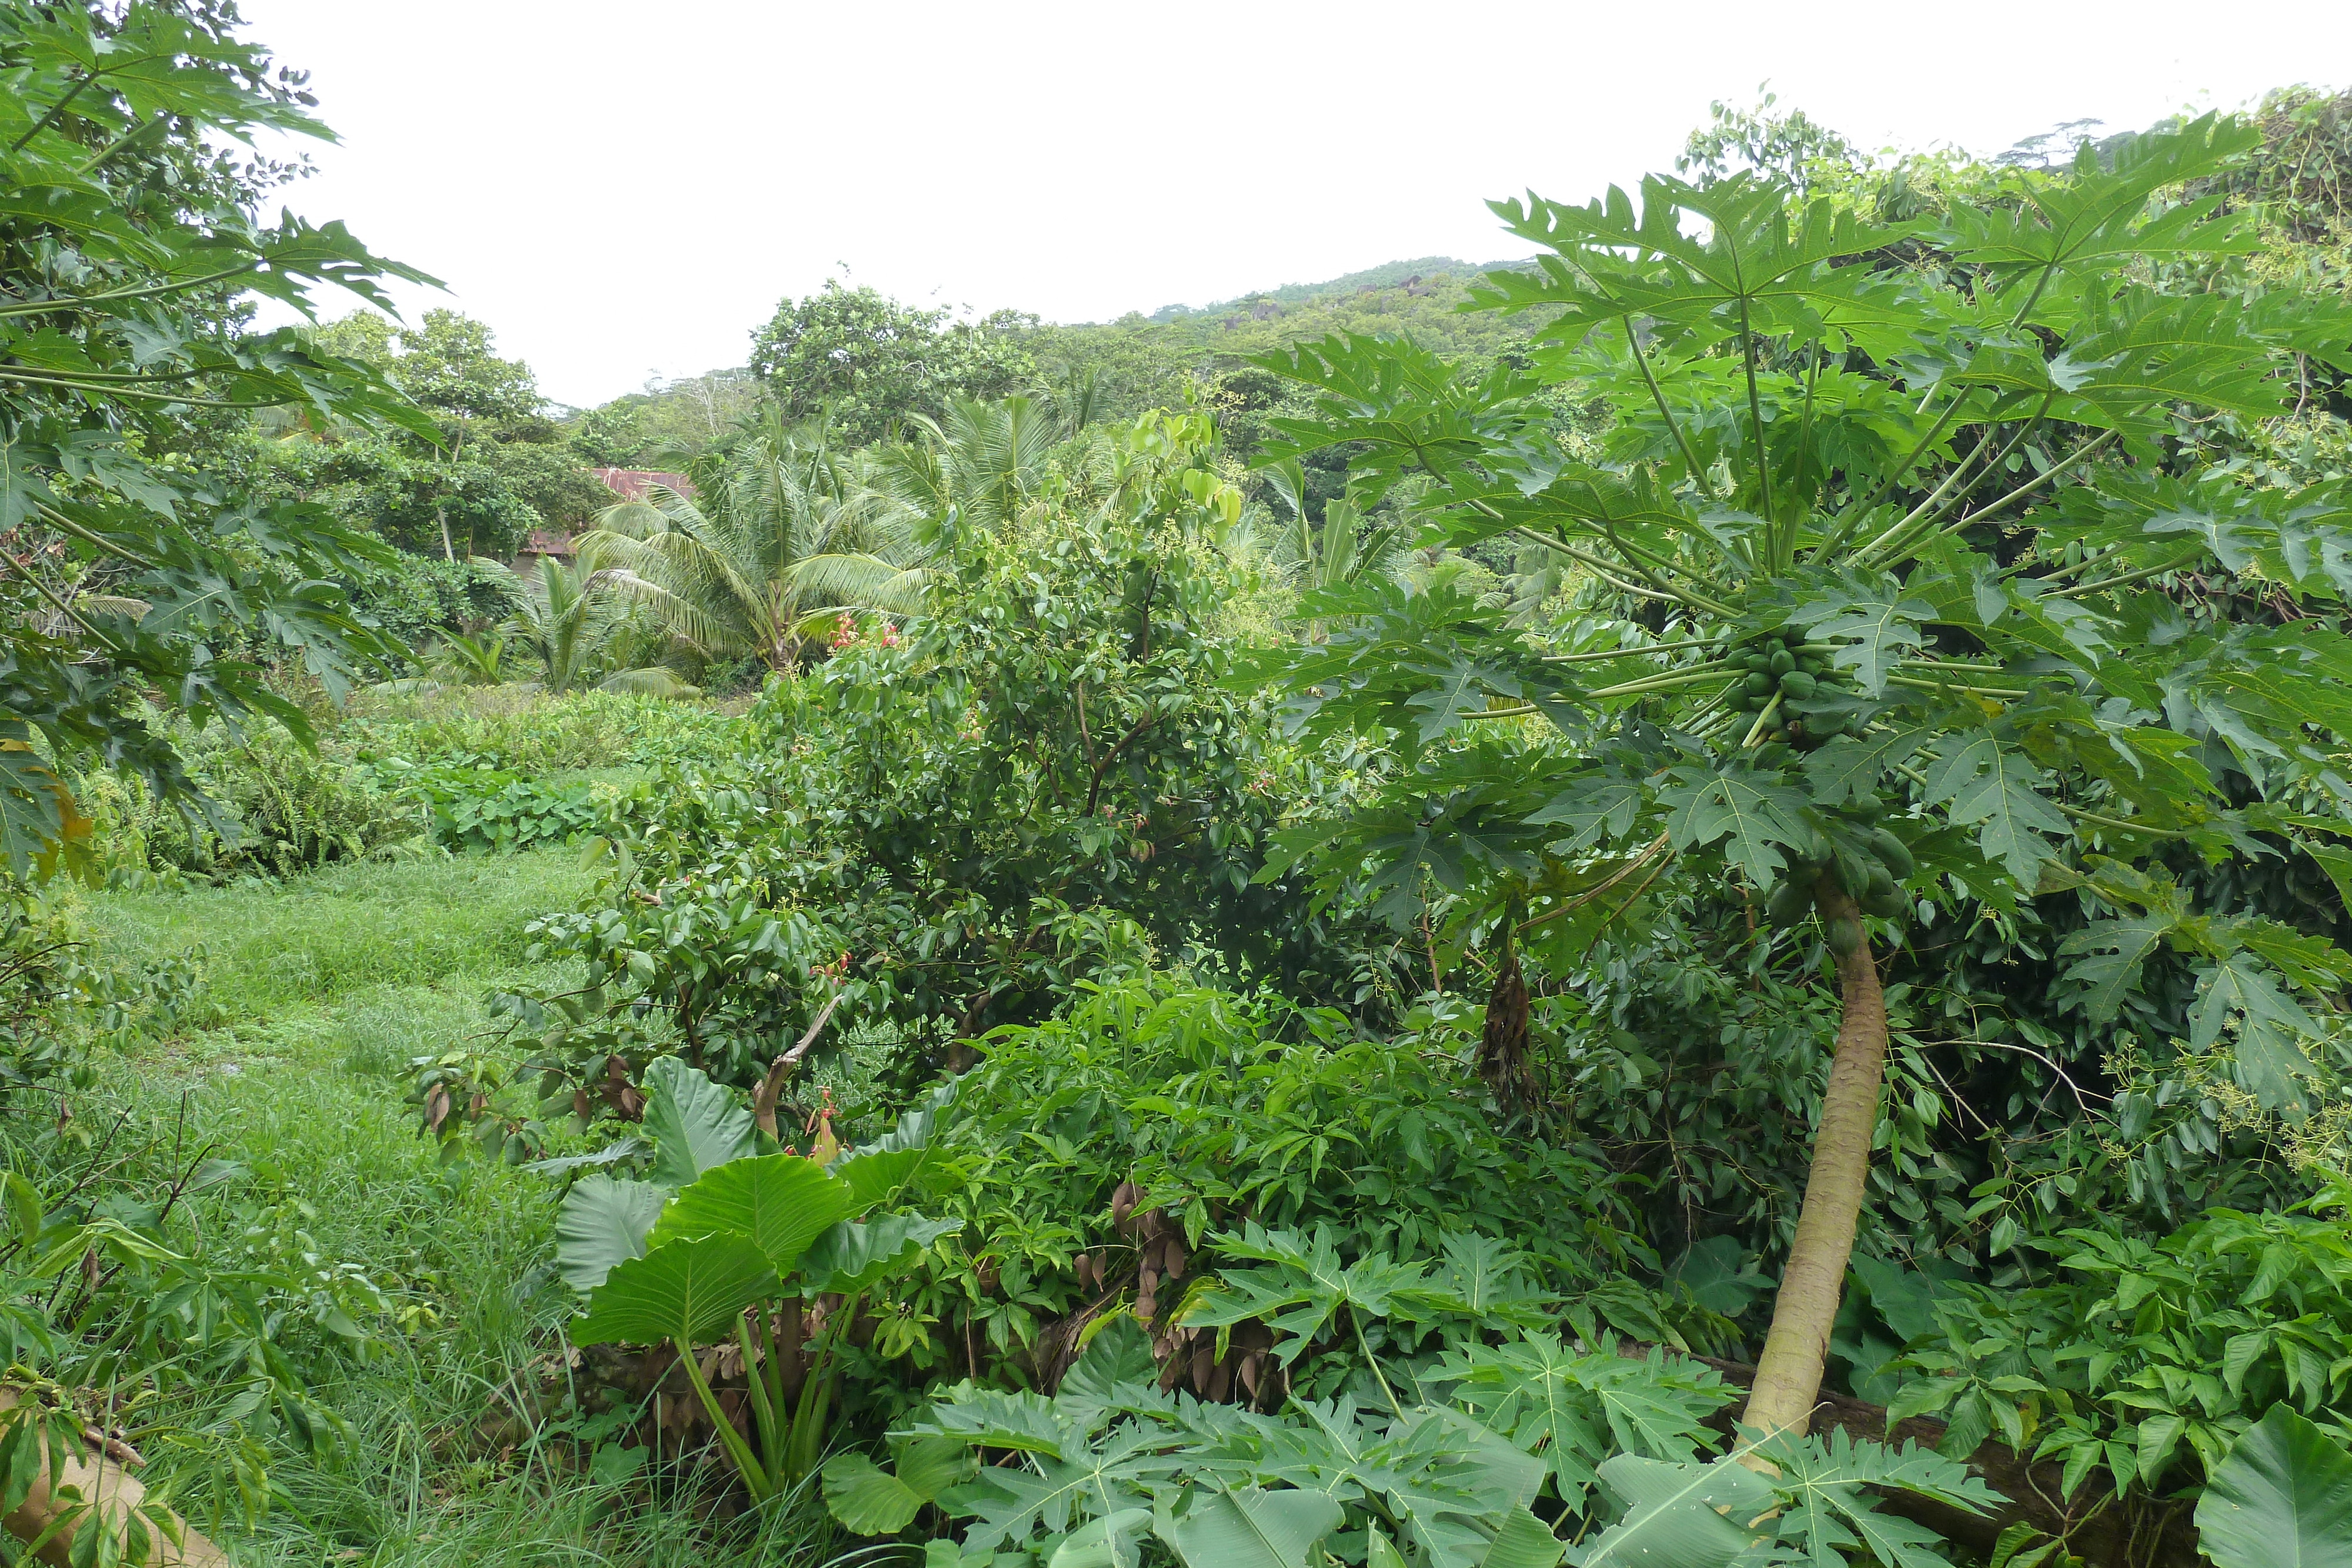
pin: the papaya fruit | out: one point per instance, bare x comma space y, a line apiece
1798, 685
1845, 935
1789, 904
1783, 662
1895, 854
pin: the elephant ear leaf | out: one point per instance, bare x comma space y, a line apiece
1252, 1529
871, 1500
682, 1291
780, 1203
695, 1124
2283, 1499
850, 1258
602, 1225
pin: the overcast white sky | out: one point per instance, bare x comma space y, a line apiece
622, 188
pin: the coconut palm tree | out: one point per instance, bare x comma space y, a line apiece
781, 532
571, 620
981, 465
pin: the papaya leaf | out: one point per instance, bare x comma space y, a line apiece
1252, 1528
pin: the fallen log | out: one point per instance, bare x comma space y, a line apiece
2134, 1532
92, 1486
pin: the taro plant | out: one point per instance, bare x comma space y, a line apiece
2283, 1496
725, 1243
1908, 589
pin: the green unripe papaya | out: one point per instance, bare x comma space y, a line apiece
1892, 904
1845, 935
1759, 684
1791, 902
1895, 854
1880, 882
1783, 662
1798, 685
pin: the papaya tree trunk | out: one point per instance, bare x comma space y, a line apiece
1789, 1373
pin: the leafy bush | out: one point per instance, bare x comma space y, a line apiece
535, 733
1043, 780
1099, 1155
474, 806
2144, 1355
277, 808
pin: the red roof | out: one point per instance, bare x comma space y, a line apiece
631, 484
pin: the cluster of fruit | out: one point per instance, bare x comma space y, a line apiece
1781, 668
1877, 861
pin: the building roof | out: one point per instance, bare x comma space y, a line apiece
631, 484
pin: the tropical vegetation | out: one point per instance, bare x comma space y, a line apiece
1684, 901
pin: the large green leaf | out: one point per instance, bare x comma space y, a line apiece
2283, 1499
871, 1500
601, 1225
1679, 1515
780, 1203
685, 1290
866, 1498
1524, 1541
853, 1257
695, 1124
1758, 816
1252, 1529
1106, 1543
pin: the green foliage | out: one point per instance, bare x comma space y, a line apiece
744, 1230
1375, 1167
496, 471
783, 531
870, 365
1039, 780
135, 569
2144, 1353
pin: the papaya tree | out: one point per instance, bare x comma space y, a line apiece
1906, 585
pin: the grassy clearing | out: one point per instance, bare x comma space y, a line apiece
330, 985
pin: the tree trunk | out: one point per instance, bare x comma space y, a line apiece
1789, 1373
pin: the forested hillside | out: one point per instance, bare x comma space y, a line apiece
1687, 902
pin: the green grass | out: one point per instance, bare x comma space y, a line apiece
329, 985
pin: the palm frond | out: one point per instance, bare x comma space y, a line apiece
651, 680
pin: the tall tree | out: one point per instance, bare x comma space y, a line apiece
131, 568
1889, 512
870, 363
